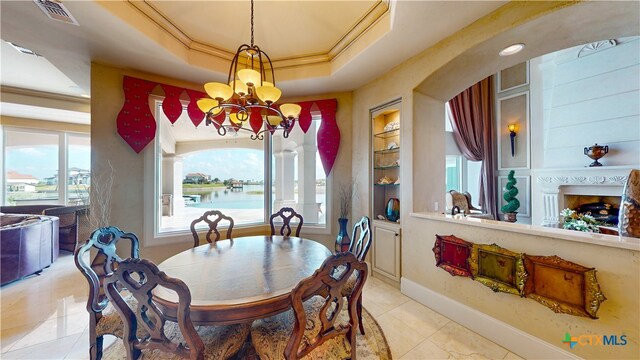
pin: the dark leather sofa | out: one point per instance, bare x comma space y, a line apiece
28, 244
68, 224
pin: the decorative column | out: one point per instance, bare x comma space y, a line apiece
284, 180
307, 176
551, 211
172, 181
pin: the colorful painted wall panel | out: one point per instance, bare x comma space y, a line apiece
452, 255
499, 269
563, 286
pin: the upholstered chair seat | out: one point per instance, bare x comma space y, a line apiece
270, 335
221, 342
351, 283
111, 324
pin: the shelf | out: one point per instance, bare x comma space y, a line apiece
387, 167
387, 151
388, 134
386, 184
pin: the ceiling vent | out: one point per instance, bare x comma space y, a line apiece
56, 11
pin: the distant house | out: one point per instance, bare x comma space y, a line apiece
21, 187
196, 178
79, 176
14, 177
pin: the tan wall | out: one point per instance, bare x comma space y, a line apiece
107, 98
127, 199
342, 168
617, 272
439, 73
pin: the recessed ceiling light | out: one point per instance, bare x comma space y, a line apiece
512, 49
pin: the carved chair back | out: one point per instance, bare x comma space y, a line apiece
328, 283
104, 240
140, 277
361, 238
212, 218
287, 214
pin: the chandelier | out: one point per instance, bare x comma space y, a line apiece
250, 94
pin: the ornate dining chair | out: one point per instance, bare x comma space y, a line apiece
103, 320
287, 214
212, 218
360, 244
182, 339
317, 328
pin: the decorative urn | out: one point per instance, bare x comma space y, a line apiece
595, 152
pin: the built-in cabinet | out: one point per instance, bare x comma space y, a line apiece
386, 250
385, 190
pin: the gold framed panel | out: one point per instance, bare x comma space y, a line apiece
563, 286
499, 269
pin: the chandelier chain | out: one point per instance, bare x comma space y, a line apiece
251, 23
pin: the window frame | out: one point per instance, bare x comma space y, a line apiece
153, 198
63, 158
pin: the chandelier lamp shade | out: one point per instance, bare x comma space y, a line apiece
250, 95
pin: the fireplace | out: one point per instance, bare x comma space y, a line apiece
557, 189
602, 208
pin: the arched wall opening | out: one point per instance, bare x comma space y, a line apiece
567, 27
520, 325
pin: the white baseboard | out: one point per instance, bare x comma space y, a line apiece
505, 335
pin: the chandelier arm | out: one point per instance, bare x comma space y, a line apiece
262, 74
273, 77
234, 64
222, 130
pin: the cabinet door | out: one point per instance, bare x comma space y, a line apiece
386, 252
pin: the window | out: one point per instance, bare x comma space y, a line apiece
297, 174
34, 161
453, 172
78, 169
198, 170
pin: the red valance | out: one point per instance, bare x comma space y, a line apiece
137, 126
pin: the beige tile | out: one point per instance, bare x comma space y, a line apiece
373, 309
56, 349
512, 356
80, 350
385, 297
419, 317
374, 282
33, 310
401, 338
426, 350
461, 342
9, 337
54, 329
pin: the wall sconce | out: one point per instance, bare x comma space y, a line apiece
512, 134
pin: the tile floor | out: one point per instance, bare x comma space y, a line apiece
44, 317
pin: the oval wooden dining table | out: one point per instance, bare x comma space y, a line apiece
240, 280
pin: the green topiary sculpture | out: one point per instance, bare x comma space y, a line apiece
510, 195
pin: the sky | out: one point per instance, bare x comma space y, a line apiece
42, 161
240, 164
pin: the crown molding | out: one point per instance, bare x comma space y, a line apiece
11, 90
363, 24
